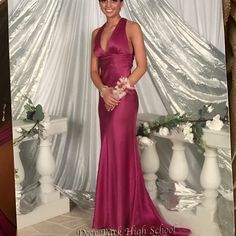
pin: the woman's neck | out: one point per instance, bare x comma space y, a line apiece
111, 22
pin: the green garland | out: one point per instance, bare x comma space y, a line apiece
173, 121
33, 114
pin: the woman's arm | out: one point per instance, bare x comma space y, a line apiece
94, 66
136, 37
108, 98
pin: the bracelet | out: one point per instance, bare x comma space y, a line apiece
128, 82
101, 90
124, 82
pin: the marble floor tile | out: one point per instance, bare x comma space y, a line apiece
27, 231
70, 224
51, 228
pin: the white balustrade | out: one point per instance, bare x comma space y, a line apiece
150, 165
178, 168
51, 202
20, 175
46, 167
210, 178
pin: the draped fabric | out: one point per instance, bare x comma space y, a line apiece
5, 133
30, 38
50, 57
203, 19
7, 228
186, 71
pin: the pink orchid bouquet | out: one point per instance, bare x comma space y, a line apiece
121, 88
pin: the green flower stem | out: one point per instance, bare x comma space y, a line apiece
187, 120
179, 121
171, 121
23, 136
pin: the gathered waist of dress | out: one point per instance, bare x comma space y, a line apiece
116, 60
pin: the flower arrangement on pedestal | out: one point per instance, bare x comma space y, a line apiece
184, 123
41, 122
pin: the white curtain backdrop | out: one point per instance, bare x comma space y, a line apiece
207, 20
209, 14
50, 61
65, 77
12, 4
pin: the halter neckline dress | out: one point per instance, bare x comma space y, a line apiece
122, 202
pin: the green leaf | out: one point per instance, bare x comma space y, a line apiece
199, 129
30, 115
30, 101
39, 108
27, 107
27, 120
38, 115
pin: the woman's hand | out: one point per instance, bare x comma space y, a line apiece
109, 108
110, 101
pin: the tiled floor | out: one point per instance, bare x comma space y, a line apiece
77, 222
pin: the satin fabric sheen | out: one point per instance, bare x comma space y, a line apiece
6, 227
5, 133
122, 201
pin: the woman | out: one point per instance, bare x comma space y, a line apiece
122, 201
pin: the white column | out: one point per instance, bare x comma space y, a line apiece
19, 177
46, 166
51, 203
178, 169
210, 180
150, 165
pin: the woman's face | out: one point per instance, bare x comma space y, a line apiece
111, 8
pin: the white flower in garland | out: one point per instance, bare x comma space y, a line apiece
19, 130
146, 128
164, 131
215, 124
144, 141
210, 109
189, 137
186, 124
186, 128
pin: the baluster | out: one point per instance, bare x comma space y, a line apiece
178, 169
51, 203
19, 177
150, 165
210, 180
46, 166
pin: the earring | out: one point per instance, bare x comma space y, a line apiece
4, 112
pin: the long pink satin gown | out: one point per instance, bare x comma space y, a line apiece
7, 228
122, 201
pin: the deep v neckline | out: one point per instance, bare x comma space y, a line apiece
108, 41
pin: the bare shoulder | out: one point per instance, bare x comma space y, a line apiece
94, 33
133, 27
